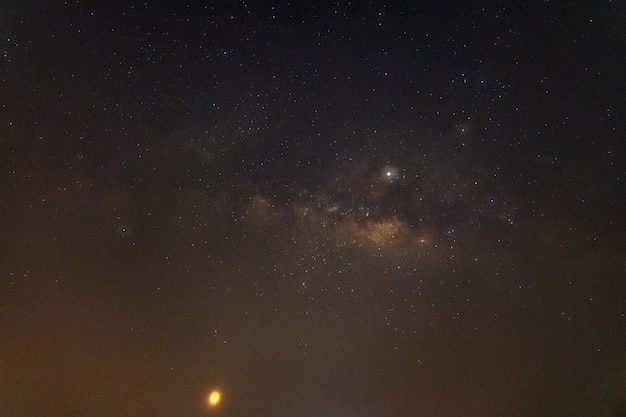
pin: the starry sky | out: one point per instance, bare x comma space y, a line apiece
317, 208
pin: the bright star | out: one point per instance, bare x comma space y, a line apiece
390, 173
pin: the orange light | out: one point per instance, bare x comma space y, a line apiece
214, 398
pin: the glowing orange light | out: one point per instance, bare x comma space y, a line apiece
214, 398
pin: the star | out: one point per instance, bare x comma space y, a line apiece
389, 174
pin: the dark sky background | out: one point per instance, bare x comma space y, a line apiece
320, 208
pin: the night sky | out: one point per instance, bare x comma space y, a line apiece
319, 209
